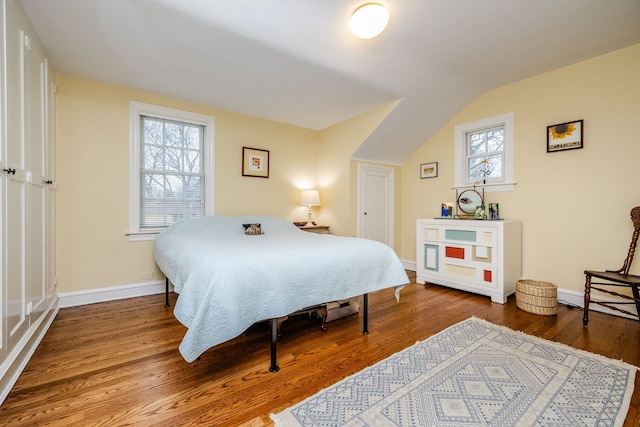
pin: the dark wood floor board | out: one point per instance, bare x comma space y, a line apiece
117, 363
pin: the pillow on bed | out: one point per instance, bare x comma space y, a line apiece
252, 229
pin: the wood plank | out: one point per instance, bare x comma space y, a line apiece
117, 363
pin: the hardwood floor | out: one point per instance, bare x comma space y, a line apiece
117, 363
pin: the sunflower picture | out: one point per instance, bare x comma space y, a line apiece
561, 131
564, 136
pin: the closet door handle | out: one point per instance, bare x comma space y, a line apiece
48, 181
10, 171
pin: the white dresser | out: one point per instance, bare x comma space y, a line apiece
480, 256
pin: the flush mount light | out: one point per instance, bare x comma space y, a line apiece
369, 20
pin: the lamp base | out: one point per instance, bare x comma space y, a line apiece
309, 223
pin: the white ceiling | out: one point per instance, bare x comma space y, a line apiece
294, 61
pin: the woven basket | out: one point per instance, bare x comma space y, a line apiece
537, 297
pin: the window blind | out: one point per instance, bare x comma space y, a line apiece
172, 176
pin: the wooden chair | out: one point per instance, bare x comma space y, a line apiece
619, 278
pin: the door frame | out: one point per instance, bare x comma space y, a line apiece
389, 171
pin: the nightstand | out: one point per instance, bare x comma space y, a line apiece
318, 229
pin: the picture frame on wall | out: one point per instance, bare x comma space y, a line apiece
565, 136
429, 170
255, 162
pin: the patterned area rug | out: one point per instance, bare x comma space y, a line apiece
476, 373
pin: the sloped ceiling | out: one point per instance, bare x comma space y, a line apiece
294, 61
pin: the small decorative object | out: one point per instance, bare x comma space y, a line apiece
429, 170
564, 136
447, 209
468, 201
479, 214
494, 211
255, 162
252, 229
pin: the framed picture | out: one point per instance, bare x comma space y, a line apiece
255, 162
564, 136
429, 170
447, 210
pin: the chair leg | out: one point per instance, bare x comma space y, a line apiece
636, 295
587, 299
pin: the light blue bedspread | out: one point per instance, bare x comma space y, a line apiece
227, 280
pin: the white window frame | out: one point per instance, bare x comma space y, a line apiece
137, 109
505, 183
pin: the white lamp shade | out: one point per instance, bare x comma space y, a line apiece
310, 198
369, 20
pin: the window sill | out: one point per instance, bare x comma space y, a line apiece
142, 236
489, 187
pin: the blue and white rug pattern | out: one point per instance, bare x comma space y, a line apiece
476, 373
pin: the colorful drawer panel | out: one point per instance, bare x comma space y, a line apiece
488, 276
431, 234
431, 257
461, 235
482, 254
488, 238
453, 252
460, 270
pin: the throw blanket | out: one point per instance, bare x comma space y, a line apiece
228, 280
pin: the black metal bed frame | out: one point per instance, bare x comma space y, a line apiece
274, 325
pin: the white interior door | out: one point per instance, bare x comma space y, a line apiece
375, 203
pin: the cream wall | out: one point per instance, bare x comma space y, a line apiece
338, 174
574, 205
92, 163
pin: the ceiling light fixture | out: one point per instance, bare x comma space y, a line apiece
369, 20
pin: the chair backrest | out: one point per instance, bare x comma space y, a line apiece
635, 217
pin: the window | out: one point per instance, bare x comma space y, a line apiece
484, 153
171, 176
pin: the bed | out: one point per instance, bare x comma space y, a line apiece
227, 280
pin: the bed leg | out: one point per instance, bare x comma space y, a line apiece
274, 339
166, 292
365, 312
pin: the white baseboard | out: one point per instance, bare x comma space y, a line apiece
575, 298
409, 265
112, 293
24, 349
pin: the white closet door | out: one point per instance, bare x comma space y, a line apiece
27, 293
35, 70
16, 176
3, 145
50, 219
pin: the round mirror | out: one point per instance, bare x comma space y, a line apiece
468, 200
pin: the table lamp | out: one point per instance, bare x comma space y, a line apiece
309, 198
